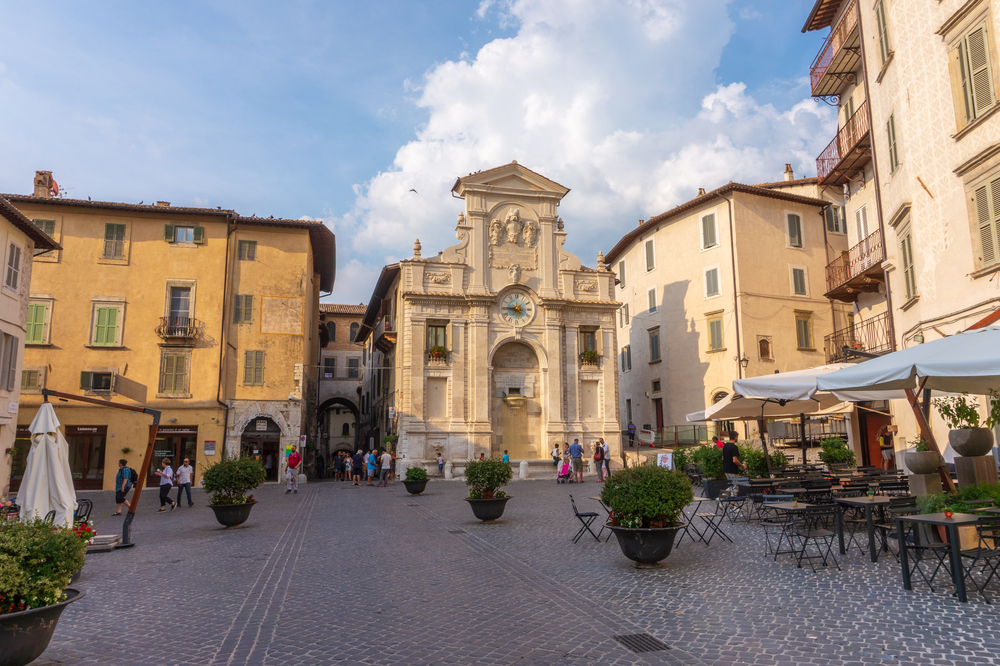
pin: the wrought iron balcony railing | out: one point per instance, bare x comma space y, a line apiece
872, 335
840, 54
178, 327
849, 150
856, 262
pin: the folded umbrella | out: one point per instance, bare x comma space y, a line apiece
48, 483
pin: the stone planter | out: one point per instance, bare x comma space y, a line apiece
971, 442
646, 546
922, 462
232, 515
415, 487
25, 635
488, 509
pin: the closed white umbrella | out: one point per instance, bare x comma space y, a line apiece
48, 482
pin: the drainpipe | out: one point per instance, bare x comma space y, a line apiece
736, 298
230, 228
826, 250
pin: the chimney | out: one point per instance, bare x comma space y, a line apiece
163, 204
640, 222
701, 191
789, 174
43, 184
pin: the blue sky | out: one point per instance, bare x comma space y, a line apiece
335, 110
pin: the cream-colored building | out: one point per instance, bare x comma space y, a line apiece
339, 395
917, 156
20, 240
503, 341
727, 285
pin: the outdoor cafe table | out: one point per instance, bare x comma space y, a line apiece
951, 525
868, 504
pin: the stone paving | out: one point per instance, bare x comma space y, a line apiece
356, 575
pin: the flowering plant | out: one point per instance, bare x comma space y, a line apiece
37, 561
85, 532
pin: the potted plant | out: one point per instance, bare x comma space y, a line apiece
709, 459
922, 460
835, 452
590, 356
969, 436
438, 352
485, 478
416, 480
230, 481
37, 561
645, 503
756, 462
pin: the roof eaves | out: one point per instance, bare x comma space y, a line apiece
111, 205
41, 239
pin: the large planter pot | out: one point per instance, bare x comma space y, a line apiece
488, 509
415, 487
646, 545
971, 442
25, 635
922, 462
713, 487
231, 515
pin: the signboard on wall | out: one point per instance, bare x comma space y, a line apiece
665, 460
209, 448
261, 424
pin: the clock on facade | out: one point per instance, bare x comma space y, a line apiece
516, 308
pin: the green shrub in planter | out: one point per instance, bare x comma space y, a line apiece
709, 459
646, 496
939, 502
753, 458
37, 561
230, 480
682, 457
416, 474
485, 477
836, 452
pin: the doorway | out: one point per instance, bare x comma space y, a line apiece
176, 443
86, 456
658, 405
869, 425
260, 440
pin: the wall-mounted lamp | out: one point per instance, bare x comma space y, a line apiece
919, 338
744, 362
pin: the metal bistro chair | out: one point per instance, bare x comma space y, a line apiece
586, 519
898, 506
713, 521
84, 508
893, 488
816, 530
50, 517
775, 523
986, 551
734, 503
979, 506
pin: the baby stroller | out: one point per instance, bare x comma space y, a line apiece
565, 475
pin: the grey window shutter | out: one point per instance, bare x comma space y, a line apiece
237, 309
85, 378
978, 54
649, 255
199, 234
708, 230
986, 221
168, 233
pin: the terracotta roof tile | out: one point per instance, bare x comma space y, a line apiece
341, 308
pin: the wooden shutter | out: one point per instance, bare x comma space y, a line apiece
199, 234
708, 231
909, 278
85, 378
890, 130
621, 274
248, 367
861, 221
12, 368
883, 33
987, 203
649, 255
35, 324
794, 230
251, 250
168, 233
977, 60
626, 314
258, 371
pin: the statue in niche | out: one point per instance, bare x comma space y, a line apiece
530, 233
514, 273
496, 231
512, 223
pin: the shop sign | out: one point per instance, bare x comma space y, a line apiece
86, 430
177, 430
12, 406
261, 424
210, 448
665, 460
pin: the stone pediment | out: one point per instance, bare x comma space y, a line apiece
511, 176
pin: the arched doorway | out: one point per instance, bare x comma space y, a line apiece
261, 440
515, 408
338, 420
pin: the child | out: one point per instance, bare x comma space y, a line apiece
440, 465
506, 458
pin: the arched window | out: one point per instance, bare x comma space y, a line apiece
345, 431
764, 347
718, 397
331, 328
354, 331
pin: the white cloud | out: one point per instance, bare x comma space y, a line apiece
599, 95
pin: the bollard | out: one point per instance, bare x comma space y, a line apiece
524, 469
447, 470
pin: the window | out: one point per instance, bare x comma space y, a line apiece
716, 340
354, 331
97, 382
588, 340
709, 231
176, 234
180, 302
803, 330
623, 317
628, 408
987, 201
848, 108
8, 361
651, 295
890, 130
656, 386
836, 222
49, 228
114, 241
331, 329
436, 335
650, 262
654, 345
36, 324
13, 267
764, 348
345, 430
352, 367
712, 282
329, 368
906, 255
253, 368
972, 58
31, 380
861, 222
105, 332
794, 230
882, 24
799, 285
242, 308
174, 373
247, 250
626, 355
621, 273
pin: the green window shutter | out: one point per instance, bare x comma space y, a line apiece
36, 324
85, 380
112, 330
258, 367
168, 233
890, 130
909, 278
106, 329
794, 230
977, 60
166, 370
883, 33
649, 255
986, 218
248, 367
237, 309
621, 273
708, 231
180, 373
199, 234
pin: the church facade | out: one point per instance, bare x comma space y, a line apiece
502, 342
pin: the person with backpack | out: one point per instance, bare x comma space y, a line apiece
124, 480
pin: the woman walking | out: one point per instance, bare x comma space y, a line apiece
599, 461
166, 483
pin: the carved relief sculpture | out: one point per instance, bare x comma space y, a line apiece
496, 231
439, 278
530, 233
514, 273
587, 285
512, 223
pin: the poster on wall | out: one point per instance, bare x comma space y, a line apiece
288, 450
665, 460
209, 448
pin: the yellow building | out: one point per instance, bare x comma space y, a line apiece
200, 313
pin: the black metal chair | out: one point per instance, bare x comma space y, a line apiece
816, 531
987, 551
774, 523
713, 522
886, 529
734, 503
586, 518
980, 505
84, 508
50, 517
893, 488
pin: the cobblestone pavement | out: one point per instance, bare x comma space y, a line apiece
357, 575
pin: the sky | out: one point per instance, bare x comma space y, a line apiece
334, 111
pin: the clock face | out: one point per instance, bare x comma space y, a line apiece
516, 308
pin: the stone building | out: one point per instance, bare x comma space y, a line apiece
503, 341
339, 394
208, 316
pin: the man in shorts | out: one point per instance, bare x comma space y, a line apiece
383, 480
576, 458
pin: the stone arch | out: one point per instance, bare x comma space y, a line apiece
543, 359
341, 401
266, 410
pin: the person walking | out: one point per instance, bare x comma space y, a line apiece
599, 461
555, 456
166, 483
576, 456
631, 433
292, 471
386, 469
607, 457
731, 463
123, 484
185, 474
356, 465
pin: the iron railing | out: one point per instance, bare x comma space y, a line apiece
831, 47
869, 252
872, 335
178, 327
847, 139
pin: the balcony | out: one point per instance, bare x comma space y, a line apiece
178, 328
438, 356
849, 151
385, 336
590, 360
872, 335
840, 57
857, 270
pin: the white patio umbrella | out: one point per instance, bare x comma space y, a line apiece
736, 407
48, 482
